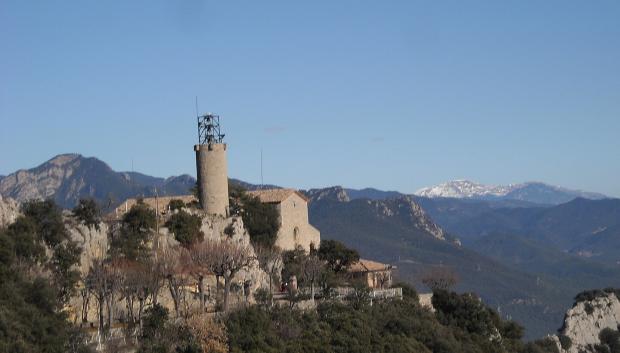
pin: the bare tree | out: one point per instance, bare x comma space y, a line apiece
173, 271
311, 270
226, 259
130, 285
270, 260
85, 294
197, 264
113, 276
153, 276
100, 281
440, 278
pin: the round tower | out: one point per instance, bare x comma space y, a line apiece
211, 166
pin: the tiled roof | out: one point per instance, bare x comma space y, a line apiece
275, 195
368, 266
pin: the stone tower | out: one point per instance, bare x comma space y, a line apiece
211, 166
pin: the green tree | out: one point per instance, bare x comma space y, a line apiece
40, 238
261, 220
160, 335
30, 315
88, 212
337, 255
131, 239
47, 217
186, 228
465, 311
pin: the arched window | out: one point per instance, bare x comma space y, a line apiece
296, 235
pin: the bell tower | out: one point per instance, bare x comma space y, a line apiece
211, 166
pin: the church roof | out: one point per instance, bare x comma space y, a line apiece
275, 195
368, 266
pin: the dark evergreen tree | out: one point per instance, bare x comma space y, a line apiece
186, 228
337, 255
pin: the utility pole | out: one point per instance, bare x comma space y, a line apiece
156, 211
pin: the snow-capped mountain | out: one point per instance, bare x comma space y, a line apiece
534, 192
463, 189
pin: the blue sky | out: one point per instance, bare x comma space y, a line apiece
390, 94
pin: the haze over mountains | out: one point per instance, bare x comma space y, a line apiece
520, 247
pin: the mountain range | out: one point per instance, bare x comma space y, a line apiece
534, 192
525, 255
530, 280
68, 177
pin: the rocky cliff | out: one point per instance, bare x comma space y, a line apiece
402, 209
585, 321
9, 210
94, 242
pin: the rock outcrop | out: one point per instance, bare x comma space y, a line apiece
418, 217
93, 241
9, 211
584, 322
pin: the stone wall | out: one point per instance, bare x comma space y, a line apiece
159, 203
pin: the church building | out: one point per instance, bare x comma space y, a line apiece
295, 229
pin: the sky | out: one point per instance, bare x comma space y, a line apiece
395, 95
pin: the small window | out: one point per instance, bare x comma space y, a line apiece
296, 235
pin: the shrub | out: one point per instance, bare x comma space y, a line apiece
589, 308
229, 230
611, 339
565, 342
176, 204
590, 295
545, 345
186, 228
408, 290
262, 296
465, 311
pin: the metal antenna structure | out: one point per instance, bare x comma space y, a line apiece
209, 129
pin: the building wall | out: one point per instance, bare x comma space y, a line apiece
375, 279
295, 229
212, 172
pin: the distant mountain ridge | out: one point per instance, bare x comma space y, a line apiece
68, 177
535, 192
